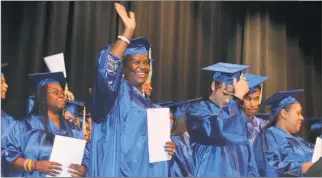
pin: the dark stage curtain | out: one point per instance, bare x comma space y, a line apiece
279, 39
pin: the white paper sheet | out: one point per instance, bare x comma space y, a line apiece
317, 150
56, 63
158, 133
66, 151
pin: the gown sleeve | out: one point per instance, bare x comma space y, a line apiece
106, 84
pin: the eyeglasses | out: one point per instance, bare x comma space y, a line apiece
56, 92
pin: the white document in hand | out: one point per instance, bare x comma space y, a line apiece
66, 151
158, 133
317, 150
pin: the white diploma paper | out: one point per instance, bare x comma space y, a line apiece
66, 151
317, 150
158, 133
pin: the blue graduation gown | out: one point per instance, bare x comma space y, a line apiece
6, 123
27, 138
278, 153
119, 143
221, 146
182, 162
255, 126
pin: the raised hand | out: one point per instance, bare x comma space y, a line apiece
128, 19
241, 87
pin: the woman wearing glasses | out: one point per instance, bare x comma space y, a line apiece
29, 144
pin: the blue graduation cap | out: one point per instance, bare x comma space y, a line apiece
254, 81
226, 72
42, 79
263, 116
179, 108
139, 46
2, 66
165, 104
76, 108
281, 99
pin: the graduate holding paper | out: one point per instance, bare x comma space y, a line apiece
29, 144
218, 127
250, 105
279, 151
119, 143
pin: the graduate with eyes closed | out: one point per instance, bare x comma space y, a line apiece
218, 127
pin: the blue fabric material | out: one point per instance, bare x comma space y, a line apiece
7, 123
182, 162
220, 142
28, 139
279, 154
226, 72
278, 107
119, 143
255, 126
254, 82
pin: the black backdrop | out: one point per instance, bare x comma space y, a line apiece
185, 37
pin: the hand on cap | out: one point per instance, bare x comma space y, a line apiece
241, 87
127, 18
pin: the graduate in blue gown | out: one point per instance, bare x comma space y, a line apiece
250, 105
119, 143
30, 141
279, 151
218, 127
182, 163
6, 119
